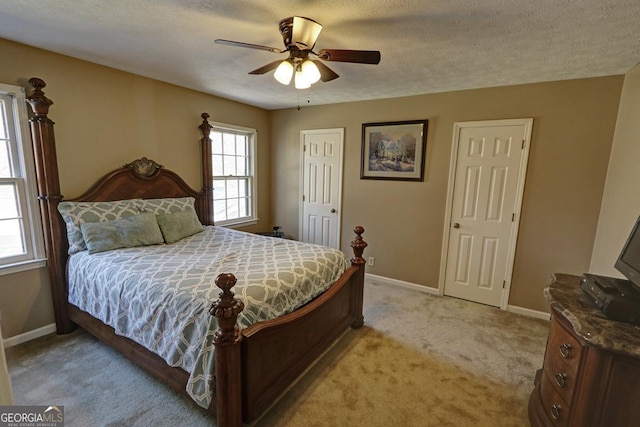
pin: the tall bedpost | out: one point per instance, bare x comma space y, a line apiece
207, 185
358, 246
46, 162
227, 341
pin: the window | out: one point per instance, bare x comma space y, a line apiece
21, 244
233, 164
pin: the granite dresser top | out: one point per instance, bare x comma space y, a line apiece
568, 300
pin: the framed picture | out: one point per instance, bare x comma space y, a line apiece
394, 150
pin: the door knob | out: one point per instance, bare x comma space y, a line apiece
333, 211
456, 225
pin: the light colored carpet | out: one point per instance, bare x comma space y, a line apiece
420, 360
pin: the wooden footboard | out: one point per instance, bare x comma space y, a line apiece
275, 354
267, 357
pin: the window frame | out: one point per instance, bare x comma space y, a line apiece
25, 183
252, 172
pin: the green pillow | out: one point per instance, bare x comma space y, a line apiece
167, 205
129, 232
76, 213
178, 225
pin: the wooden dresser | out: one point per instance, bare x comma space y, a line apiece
591, 371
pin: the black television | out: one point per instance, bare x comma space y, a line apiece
628, 263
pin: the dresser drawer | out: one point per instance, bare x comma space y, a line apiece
562, 360
553, 405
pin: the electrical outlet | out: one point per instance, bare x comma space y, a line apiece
372, 261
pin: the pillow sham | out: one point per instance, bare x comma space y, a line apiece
129, 232
178, 225
166, 205
76, 213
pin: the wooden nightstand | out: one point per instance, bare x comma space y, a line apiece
274, 233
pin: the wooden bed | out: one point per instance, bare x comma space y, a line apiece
255, 365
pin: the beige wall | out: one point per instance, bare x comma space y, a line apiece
621, 201
25, 302
573, 129
105, 118
110, 117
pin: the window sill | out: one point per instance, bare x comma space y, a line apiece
232, 224
22, 266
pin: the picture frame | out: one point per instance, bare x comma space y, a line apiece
394, 150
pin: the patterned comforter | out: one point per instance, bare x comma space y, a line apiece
159, 295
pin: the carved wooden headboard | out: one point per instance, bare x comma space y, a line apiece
142, 178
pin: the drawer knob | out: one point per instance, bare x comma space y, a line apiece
565, 350
561, 379
555, 411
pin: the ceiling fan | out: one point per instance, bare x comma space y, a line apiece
299, 35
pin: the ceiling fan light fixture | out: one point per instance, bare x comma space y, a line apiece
310, 71
284, 72
300, 81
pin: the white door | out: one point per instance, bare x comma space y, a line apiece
488, 162
321, 186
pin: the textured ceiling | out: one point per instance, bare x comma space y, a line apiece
427, 46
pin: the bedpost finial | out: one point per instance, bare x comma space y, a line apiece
205, 127
39, 102
226, 281
226, 310
37, 83
358, 246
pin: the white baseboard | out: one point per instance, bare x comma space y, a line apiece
433, 291
30, 335
401, 283
528, 312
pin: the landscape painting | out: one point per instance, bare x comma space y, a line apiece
394, 150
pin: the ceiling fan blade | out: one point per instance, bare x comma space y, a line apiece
326, 73
248, 45
344, 55
266, 68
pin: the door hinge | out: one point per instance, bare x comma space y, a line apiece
304, 147
303, 198
522, 144
513, 217
504, 284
